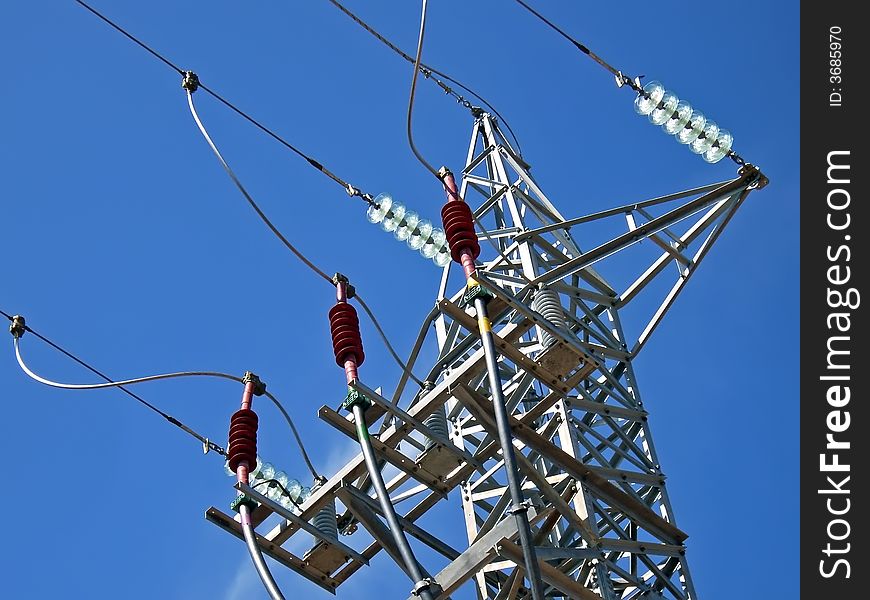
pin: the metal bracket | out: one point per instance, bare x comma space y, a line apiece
522, 507
243, 499
353, 398
17, 327
190, 81
339, 278
259, 386
424, 584
474, 290
760, 180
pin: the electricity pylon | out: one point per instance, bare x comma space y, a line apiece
602, 522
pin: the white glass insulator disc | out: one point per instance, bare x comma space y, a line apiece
420, 235
408, 224
267, 471
692, 129
274, 492
679, 118
377, 211
294, 488
721, 148
665, 109
255, 473
394, 217
442, 258
438, 236
702, 144
430, 248
645, 103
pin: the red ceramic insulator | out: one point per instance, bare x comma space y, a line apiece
243, 439
346, 339
459, 228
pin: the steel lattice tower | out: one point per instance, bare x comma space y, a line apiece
601, 518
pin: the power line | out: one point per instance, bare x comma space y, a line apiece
428, 71
350, 189
422, 160
422, 33
190, 87
681, 116
17, 329
621, 78
405, 368
206, 442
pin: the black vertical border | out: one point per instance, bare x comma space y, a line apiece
827, 127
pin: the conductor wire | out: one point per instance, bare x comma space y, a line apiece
137, 380
247, 196
350, 189
620, 76
428, 71
286, 242
206, 442
422, 160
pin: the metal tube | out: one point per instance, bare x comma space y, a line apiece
257, 555
412, 567
519, 509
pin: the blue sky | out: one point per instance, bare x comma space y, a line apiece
125, 242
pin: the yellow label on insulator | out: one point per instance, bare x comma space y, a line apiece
471, 283
484, 324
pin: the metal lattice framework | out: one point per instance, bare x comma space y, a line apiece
600, 513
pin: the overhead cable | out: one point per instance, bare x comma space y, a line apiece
350, 189
242, 189
428, 72
195, 83
621, 78
678, 119
422, 160
206, 442
190, 88
17, 332
405, 368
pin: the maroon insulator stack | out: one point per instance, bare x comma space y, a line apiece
243, 439
459, 228
346, 339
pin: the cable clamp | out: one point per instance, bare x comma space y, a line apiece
621, 79
474, 290
638, 83
17, 327
259, 386
353, 398
339, 278
352, 191
243, 499
190, 81
424, 584
523, 507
